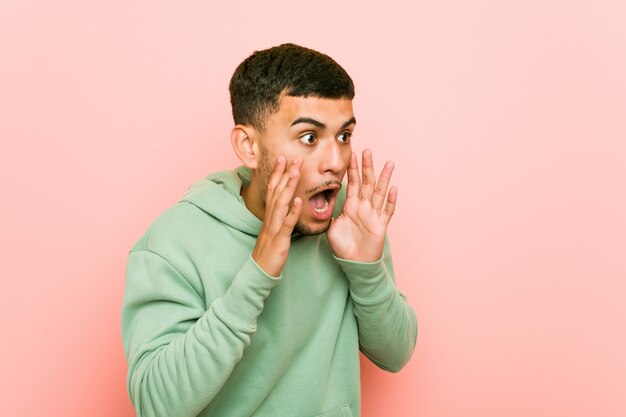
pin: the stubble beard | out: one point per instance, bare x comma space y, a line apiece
307, 231
265, 172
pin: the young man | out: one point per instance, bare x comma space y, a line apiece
254, 294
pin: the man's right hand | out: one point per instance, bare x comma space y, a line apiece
272, 246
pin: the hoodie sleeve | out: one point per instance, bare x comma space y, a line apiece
179, 352
387, 323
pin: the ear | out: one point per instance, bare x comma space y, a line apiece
245, 145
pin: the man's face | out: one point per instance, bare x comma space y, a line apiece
319, 131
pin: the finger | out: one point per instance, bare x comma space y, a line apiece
381, 186
284, 179
354, 181
292, 217
390, 206
283, 198
277, 173
369, 177
275, 217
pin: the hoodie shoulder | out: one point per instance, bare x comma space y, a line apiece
226, 181
219, 195
213, 201
171, 225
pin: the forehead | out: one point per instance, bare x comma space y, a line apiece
331, 112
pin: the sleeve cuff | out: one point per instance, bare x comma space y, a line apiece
244, 300
369, 281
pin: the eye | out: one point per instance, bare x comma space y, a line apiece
344, 137
308, 139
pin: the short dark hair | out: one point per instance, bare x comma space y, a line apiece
258, 82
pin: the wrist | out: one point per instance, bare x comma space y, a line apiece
271, 271
360, 256
370, 282
268, 273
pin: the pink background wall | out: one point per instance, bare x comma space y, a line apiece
507, 123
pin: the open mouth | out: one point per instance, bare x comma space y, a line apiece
322, 202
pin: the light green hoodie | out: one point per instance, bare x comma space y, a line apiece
206, 332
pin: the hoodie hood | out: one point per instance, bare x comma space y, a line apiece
219, 195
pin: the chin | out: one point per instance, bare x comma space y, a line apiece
311, 229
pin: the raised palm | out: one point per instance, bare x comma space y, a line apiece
358, 234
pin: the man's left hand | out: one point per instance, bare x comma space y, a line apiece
358, 234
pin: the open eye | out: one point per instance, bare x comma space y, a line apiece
344, 137
308, 139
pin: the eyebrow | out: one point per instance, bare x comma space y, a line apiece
318, 124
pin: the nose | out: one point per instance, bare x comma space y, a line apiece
331, 160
